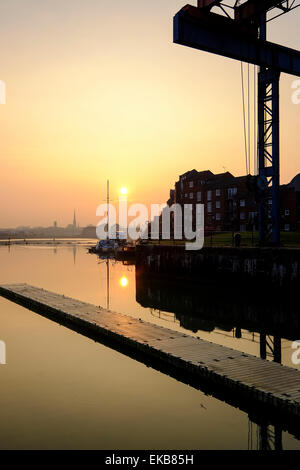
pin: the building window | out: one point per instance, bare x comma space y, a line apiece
202, 182
242, 203
287, 227
186, 195
218, 192
287, 212
270, 202
243, 228
191, 184
191, 195
199, 196
242, 216
209, 207
218, 205
232, 192
209, 195
218, 216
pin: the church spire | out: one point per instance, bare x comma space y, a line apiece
74, 220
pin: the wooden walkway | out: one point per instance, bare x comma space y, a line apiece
265, 382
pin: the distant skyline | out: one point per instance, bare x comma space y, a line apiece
98, 90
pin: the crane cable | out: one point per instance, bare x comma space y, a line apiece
244, 117
247, 120
249, 128
255, 153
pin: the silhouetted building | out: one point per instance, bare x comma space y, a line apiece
74, 220
89, 232
230, 203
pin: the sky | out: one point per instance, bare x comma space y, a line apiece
97, 90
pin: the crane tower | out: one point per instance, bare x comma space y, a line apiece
237, 29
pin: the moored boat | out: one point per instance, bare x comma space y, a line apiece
105, 246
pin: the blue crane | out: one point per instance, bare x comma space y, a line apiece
239, 31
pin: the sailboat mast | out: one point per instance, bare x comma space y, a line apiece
107, 209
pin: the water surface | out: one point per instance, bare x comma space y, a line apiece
61, 390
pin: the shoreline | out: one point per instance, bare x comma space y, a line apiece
49, 241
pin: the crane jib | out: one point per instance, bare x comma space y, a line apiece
225, 37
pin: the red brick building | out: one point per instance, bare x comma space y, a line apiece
230, 203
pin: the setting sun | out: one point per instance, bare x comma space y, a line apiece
124, 191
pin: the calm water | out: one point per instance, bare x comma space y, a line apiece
60, 390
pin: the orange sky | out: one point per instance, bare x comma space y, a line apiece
97, 90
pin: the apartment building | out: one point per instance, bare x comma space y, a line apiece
230, 203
